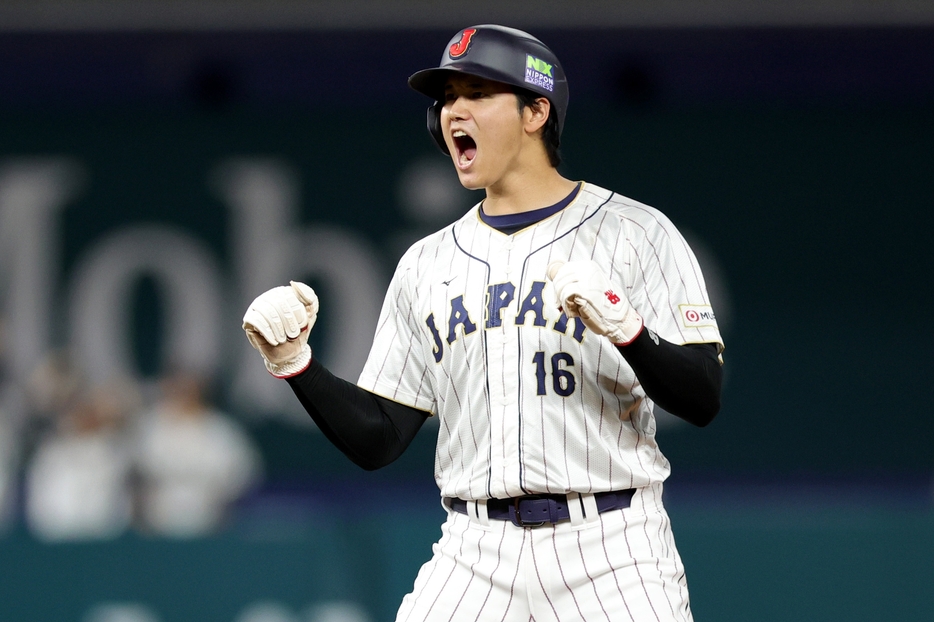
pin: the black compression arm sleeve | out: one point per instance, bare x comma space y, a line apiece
684, 380
371, 430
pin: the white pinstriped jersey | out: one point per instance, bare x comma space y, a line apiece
528, 401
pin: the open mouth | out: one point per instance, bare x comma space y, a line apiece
466, 147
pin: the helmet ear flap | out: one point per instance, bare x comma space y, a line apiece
434, 126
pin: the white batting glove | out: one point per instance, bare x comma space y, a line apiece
583, 290
277, 324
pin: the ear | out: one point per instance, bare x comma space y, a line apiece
534, 116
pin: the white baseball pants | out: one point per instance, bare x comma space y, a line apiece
619, 565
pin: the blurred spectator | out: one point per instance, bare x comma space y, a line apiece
78, 480
193, 461
54, 388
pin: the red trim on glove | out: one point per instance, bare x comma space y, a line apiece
636, 336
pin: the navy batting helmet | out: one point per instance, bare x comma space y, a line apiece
497, 53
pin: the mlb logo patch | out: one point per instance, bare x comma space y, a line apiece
539, 73
697, 316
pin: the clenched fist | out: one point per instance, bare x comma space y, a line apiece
583, 290
278, 322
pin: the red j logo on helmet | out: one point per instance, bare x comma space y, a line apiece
460, 48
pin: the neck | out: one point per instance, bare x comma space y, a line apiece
527, 192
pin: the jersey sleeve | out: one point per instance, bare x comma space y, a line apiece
395, 368
668, 288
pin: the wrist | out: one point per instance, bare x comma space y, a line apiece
292, 367
627, 331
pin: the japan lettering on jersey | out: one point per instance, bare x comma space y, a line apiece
528, 400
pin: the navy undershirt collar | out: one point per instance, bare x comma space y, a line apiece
511, 223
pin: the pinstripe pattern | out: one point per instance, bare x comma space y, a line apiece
530, 402
623, 567
498, 436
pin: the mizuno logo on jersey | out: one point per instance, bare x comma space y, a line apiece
696, 316
499, 296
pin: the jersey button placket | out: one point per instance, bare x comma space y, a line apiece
512, 362
504, 386
496, 372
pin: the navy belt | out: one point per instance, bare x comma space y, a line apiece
536, 510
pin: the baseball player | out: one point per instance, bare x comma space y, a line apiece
541, 329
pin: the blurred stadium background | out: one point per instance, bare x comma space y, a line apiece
163, 163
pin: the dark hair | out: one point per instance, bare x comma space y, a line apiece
550, 136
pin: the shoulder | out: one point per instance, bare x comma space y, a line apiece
629, 212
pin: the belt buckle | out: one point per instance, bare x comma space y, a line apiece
516, 515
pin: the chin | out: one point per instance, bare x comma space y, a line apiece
470, 181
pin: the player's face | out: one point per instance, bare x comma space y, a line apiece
483, 129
